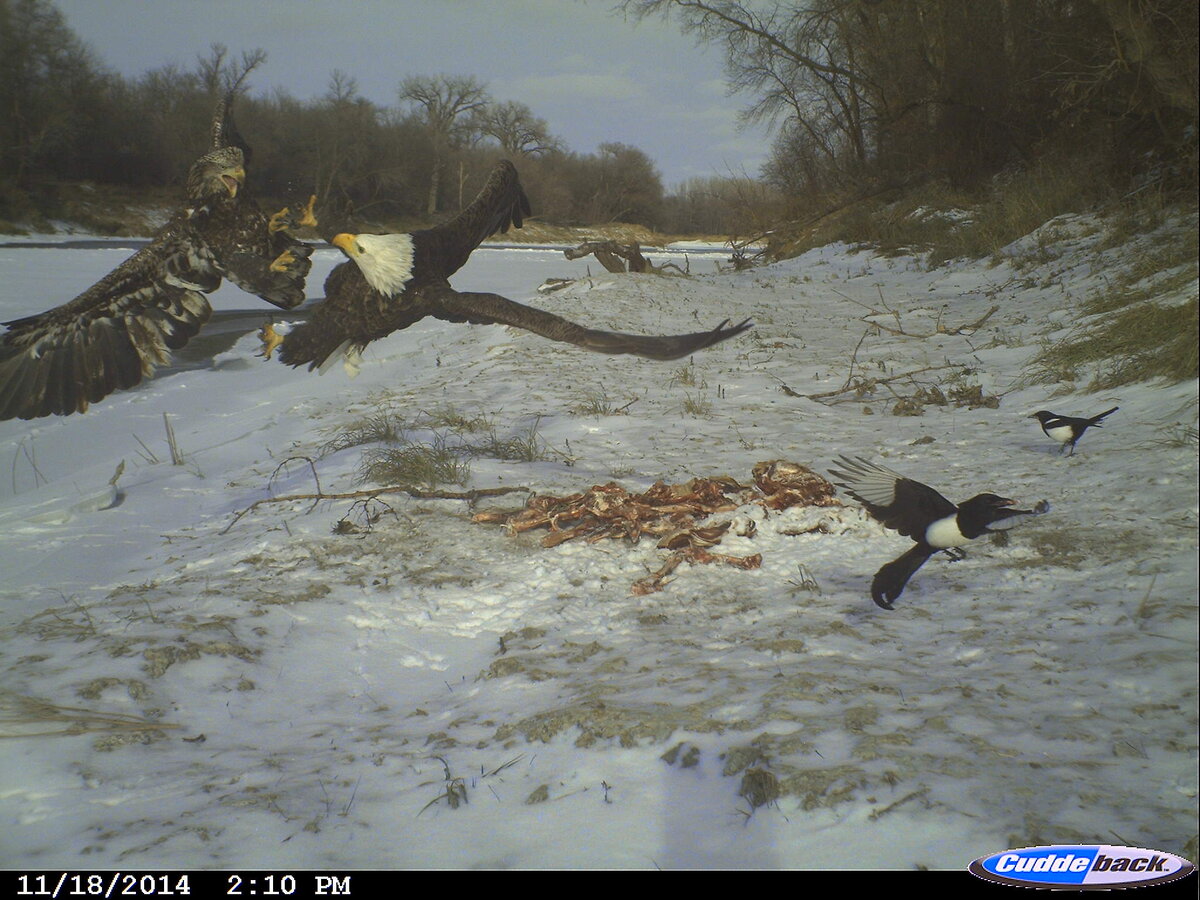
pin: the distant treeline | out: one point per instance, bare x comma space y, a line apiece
64, 117
866, 95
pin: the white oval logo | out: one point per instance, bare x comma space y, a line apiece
1102, 866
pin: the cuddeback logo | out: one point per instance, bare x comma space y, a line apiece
1081, 866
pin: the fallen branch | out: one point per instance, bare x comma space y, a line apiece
899, 329
470, 496
968, 329
883, 381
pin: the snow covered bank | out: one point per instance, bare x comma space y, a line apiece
268, 693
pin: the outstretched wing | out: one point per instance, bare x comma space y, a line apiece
903, 504
106, 339
502, 204
492, 309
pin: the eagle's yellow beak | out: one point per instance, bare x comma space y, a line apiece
347, 243
234, 179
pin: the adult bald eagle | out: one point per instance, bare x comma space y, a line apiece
116, 332
392, 281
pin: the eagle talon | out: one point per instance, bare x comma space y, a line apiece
280, 220
283, 261
307, 216
270, 340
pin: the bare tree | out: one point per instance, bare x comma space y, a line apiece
46, 78
221, 77
514, 126
793, 58
444, 103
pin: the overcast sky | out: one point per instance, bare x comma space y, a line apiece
590, 73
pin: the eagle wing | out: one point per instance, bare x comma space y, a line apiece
897, 502
109, 337
116, 332
501, 205
492, 309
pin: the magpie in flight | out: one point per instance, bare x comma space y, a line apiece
1067, 430
921, 513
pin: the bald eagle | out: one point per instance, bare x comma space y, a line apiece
392, 281
116, 332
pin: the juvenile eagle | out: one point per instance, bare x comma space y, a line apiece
392, 281
117, 331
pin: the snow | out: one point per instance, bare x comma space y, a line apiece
187, 688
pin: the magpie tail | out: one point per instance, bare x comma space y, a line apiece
1096, 420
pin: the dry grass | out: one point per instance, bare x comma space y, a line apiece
598, 404
1140, 343
433, 449
1142, 331
446, 416
948, 224
22, 716
525, 447
416, 464
378, 428
697, 405
1020, 205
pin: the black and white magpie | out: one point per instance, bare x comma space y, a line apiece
1067, 430
921, 513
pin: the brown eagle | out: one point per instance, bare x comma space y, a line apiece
392, 281
116, 332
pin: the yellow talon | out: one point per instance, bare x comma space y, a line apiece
283, 261
285, 218
279, 221
270, 340
307, 216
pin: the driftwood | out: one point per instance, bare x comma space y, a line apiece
617, 257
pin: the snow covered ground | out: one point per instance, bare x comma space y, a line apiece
185, 688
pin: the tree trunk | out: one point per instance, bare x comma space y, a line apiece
435, 182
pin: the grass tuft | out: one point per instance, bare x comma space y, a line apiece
598, 404
415, 464
697, 405
450, 418
436, 448
527, 447
378, 428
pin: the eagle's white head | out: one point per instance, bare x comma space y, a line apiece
386, 260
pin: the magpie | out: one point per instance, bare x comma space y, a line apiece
921, 513
1067, 430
